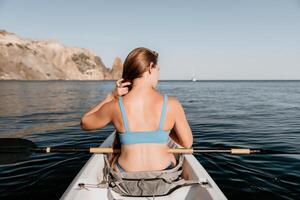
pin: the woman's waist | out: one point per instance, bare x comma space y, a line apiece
144, 147
151, 161
145, 153
140, 154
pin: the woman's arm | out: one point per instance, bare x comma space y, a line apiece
101, 114
109, 97
181, 132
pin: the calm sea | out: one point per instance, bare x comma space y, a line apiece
255, 114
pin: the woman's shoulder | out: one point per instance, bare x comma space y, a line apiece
173, 101
175, 106
111, 105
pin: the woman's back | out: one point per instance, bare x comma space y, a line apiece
143, 113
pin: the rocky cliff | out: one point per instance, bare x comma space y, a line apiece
26, 59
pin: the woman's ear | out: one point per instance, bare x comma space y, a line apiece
151, 67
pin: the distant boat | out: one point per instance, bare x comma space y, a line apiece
194, 79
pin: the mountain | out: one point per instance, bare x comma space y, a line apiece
27, 59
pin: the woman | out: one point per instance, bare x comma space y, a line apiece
143, 118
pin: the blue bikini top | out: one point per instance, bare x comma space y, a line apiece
157, 136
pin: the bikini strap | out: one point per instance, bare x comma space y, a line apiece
124, 118
163, 112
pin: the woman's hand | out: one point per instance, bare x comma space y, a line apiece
120, 88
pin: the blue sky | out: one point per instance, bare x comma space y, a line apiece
205, 39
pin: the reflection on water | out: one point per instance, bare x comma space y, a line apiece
261, 114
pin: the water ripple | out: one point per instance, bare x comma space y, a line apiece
221, 114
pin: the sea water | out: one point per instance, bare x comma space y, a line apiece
250, 114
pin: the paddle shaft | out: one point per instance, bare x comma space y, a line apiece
13, 150
181, 151
99, 150
19, 145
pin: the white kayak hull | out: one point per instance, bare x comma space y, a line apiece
91, 174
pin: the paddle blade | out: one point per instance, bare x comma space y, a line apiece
13, 150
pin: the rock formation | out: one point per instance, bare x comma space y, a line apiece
26, 59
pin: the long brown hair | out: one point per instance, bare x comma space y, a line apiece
137, 62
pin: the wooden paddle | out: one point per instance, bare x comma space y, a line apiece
13, 150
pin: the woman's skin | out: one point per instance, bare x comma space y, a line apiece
143, 105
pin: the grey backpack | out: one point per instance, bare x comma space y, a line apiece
146, 183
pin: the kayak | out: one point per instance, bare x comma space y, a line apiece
86, 184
